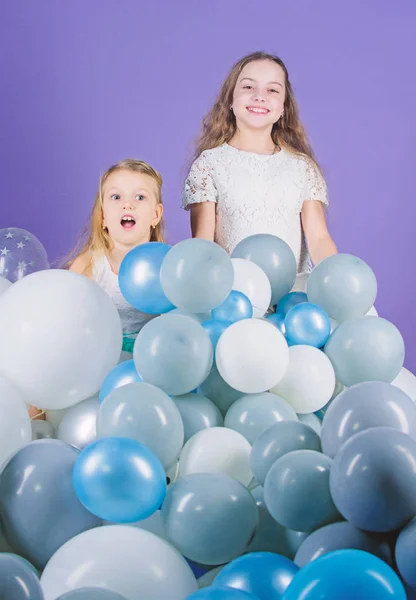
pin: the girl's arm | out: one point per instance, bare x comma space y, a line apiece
318, 239
200, 197
80, 264
203, 220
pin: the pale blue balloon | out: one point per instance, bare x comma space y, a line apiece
174, 353
215, 329
197, 412
197, 275
216, 389
122, 374
343, 285
307, 324
366, 349
234, 308
91, 594
198, 317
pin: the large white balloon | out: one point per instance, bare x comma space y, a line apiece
4, 284
252, 355
406, 382
309, 381
15, 426
60, 336
251, 280
133, 562
217, 450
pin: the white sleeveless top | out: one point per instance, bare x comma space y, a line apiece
132, 320
256, 193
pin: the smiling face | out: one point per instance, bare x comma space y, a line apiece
259, 95
131, 207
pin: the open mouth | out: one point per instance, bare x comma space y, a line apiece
127, 222
257, 110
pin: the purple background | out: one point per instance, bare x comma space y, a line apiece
87, 83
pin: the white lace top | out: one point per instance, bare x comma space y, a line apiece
256, 193
132, 320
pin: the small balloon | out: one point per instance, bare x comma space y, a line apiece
307, 324
278, 320
289, 301
42, 430
18, 579
234, 308
198, 413
216, 389
122, 374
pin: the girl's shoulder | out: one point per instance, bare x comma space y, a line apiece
81, 263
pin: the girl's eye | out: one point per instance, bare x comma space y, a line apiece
247, 87
140, 197
277, 91
115, 197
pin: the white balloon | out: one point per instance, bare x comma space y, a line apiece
309, 381
4, 284
15, 425
300, 283
217, 450
124, 559
153, 524
313, 421
251, 280
252, 355
406, 382
372, 312
60, 336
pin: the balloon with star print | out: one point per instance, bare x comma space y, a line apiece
21, 253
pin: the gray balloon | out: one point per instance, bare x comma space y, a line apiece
366, 349
252, 414
197, 412
209, 517
216, 389
18, 579
278, 440
270, 536
42, 430
275, 257
39, 507
296, 491
373, 479
91, 594
365, 405
78, 427
340, 536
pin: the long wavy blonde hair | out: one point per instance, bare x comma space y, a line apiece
94, 239
219, 125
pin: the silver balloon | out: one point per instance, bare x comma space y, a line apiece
21, 253
78, 427
42, 430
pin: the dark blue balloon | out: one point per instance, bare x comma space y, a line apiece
122, 374
264, 574
215, 329
278, 319
346, 575
234, 308
139, 278
221, 593
307, 324
289, 301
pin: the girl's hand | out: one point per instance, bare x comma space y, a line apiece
36, 414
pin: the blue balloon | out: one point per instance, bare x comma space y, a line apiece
119, 480
406, 553
234, 308
346, 575
215, 329
139, 278
307, 324
264, 574
289, 301
223, 593
278, 319
122, 374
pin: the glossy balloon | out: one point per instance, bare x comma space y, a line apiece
78, 426
42, 430
122, 374
22, 254
289, 301
278, 320
307, 324
18, 579
215, 329
224, 593
405, 553
234, 308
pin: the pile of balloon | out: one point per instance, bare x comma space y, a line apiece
261, 436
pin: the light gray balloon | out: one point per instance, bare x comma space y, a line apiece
18, 579
91, 594
197, 412
278, 440
42, 430
366, 349
144, 413
216, 389
252, 414
78, 427
209, 517
343, 285
174, 353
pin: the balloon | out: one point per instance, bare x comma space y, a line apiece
174, 353
234, 308
78, 426
366, 349
18, 579
264, 574
289, 301
225, 593
209, 517
124, 373
251, 415
15, 426
274, 256
39, 506
338, 389
313, 421
120, 558
270, 536
253, 282
54, 417
343, 285
300, 282
94, 593
309, 381
365, 405
278, 320
340, 536
146, 414
207, 579
21, 253
252, 356
197, 317
372, 312
406, 382
307, 324
346, 574
42, 430
69, 339
215, 329
217, 450
4, 283
198, 413
218, 390
406, 553
139, 278
278, 440
197, 275
373, 479
296, 491
119, 480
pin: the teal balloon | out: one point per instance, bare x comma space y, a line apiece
289, 301
197, 412
122, 374
405, 553
366, 349
234, 308
307, 324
